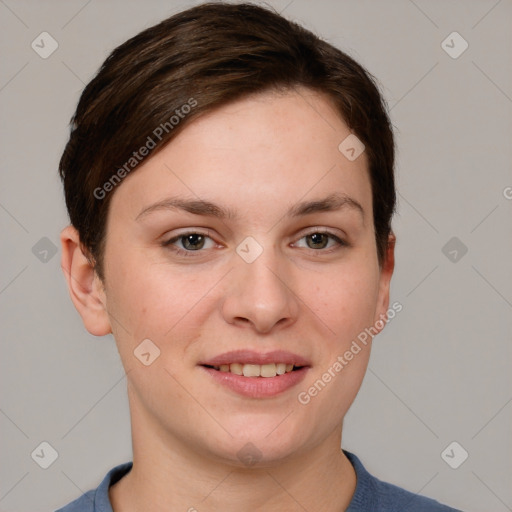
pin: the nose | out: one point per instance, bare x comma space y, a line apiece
260, 295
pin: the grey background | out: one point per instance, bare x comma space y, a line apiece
440, 371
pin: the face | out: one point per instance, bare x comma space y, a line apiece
245, 246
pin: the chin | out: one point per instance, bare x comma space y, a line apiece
250, 455
257, 443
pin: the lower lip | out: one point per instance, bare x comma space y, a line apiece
258, 387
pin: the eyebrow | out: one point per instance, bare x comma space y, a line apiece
333, 202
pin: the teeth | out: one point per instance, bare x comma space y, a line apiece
251, 370
256, 370
268, 370
236, 368
280, 368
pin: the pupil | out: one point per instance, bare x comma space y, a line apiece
193, 241
318, 239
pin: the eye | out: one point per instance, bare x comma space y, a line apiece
321, 240
186, 243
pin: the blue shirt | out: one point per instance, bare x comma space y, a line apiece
371, 494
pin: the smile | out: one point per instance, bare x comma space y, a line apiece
255, 374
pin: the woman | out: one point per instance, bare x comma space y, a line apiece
229, 180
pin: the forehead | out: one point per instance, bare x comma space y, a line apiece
255, 153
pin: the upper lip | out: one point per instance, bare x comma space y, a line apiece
253, 357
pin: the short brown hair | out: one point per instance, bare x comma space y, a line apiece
203, 58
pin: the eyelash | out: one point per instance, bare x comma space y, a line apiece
183, 252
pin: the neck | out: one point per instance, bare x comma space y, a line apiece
168, 474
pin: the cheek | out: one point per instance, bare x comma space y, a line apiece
345, 301
151, 300
346, 304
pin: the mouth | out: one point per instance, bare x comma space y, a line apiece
257, 375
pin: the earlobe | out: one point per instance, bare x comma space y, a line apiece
85, 287
386, 273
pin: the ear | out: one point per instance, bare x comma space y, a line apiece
85, 287
386, 272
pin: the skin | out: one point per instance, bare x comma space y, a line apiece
258, 157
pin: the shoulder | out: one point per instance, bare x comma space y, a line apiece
378, 496
97, 500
